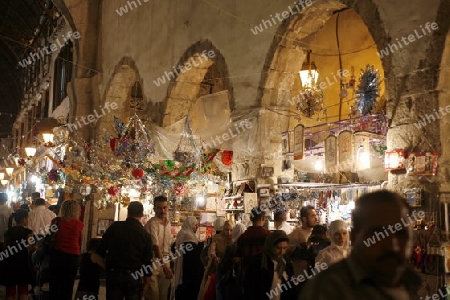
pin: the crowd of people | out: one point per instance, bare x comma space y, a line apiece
237, 262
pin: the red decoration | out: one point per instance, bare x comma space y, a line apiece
113, 191
181, 189
394, 160
53, 176
112, 144
227, 157
137, 173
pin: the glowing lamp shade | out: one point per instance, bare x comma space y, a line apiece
363, 159
48, 137
308, 77
318, 165
308, 73
30, 151
4, 181
9, 171
2, 175
394, 160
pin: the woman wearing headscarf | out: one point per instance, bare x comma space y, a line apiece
270, 273
188, 269
339, 248
228, 268
216, 251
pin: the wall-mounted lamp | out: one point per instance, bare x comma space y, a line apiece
48, 139
2, 175
30, 151
394, 160
4, 182
318, 165
362, 158
9, 171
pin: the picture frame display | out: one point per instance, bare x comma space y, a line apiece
102, 225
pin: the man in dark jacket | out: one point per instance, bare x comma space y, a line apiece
127, 249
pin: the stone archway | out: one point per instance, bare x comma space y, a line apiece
202, 65
118, 93
279, 83
439, 55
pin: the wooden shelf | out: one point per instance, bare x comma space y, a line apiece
196, 211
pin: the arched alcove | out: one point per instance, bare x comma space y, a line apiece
203, 71
119, 92
313, 29
341, 35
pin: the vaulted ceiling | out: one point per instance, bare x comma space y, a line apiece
18, 22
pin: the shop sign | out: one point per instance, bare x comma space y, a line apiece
330, 152
299, 131
345, 142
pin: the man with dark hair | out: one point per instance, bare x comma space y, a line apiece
159, 229
251, 242
300, 234
279, 222
34, 196
41, 217
127, 249
381, 246
5, 213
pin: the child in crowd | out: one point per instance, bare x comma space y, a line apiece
89, 284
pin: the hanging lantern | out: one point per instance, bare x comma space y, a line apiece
187, 152
134, 144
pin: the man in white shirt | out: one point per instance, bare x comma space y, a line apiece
299, 237
279, 222
5, 212
40, 218
300, 234
159, 229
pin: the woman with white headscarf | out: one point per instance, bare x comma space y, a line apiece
188, 269
227, 285
339, 248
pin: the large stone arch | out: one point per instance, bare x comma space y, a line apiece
183, 90
439, 59
279, 80
291, 38
118, 93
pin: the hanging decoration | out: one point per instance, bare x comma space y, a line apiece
137, 173
187, 152
311, 103
227, 157
368, 90
134, 144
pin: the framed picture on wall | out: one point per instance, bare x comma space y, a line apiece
102, 225
285, 144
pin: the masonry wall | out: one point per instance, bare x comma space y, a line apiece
156, 35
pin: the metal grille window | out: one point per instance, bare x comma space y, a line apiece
63, 74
